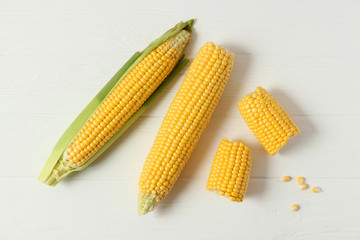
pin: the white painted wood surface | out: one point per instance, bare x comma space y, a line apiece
56, 55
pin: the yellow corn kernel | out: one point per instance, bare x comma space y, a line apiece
300, 180
285, 179
303, 186
294, 207
125, 99
183, 124
269, 122
230, 171
316, 190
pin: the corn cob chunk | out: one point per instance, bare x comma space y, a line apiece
269, 122
126, 98
118, 104
183, 124
230, 171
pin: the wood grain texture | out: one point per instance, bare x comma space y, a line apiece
56, 55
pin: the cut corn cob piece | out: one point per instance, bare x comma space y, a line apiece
183, 124
230, 171
118, 104
269, 122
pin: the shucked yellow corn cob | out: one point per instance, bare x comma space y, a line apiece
230, 171
183, 124
119, 106
126, 98
269, 122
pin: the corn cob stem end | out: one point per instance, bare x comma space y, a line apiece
60, 170
146, 203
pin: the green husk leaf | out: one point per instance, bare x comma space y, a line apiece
55, 169
81, 119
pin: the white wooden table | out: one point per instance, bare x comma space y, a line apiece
56, 55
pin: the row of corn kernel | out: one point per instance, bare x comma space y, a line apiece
301, 183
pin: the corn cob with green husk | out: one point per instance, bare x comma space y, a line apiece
121, 101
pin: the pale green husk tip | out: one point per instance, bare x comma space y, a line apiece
146, 203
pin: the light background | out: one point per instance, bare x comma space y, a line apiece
56, 55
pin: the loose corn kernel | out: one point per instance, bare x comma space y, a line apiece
230, 171
303, 186
285, 179
269, 122
300, 180
294, 207
124, 100
185, 121
316, 189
